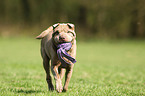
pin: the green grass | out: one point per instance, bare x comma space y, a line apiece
103, 68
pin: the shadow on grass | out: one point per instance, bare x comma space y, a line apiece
28, 91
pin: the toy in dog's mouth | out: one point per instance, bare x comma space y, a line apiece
62, 52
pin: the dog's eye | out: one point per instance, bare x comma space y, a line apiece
56, 33
71, 33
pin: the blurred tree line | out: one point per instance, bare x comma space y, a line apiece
104, 18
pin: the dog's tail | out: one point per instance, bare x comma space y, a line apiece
44, 33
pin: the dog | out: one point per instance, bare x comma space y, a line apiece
54, 35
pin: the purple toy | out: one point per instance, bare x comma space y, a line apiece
61, 52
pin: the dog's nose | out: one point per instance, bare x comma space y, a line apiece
61, 38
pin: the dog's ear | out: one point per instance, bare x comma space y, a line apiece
71, 26
55, 25
44, 33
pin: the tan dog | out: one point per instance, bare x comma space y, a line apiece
58, 33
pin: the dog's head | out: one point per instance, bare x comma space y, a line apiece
63, 33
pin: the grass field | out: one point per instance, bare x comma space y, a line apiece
103, 68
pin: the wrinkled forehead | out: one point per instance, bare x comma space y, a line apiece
62, 28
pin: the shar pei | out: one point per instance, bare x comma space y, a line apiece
58, 51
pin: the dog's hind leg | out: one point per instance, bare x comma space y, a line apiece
46, 65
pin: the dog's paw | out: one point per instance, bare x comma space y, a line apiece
59, 86
51, 88
64, 89
59, 90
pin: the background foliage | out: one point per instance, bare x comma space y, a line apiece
102, 18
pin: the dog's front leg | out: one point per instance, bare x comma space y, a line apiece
68, 75
57, 78
62, 72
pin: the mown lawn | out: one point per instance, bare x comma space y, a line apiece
102, 68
